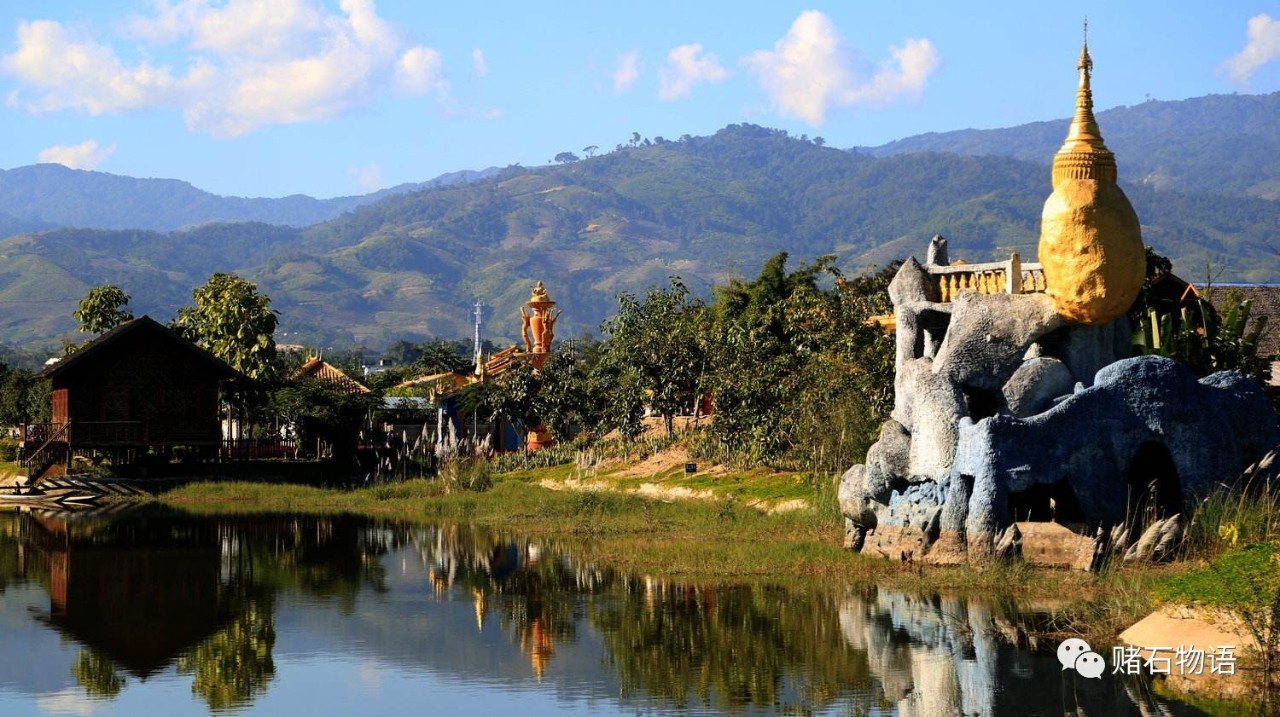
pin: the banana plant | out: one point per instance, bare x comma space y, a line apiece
1203, 340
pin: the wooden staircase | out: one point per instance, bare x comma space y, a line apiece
50, 458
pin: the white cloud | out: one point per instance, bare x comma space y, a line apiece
368, 177
686, 66
69, 703
86, 155
419, 71
78, 73
478, 63
627, 72
1263, 47
810, 69
251, 63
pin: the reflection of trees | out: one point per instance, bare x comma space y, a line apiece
97, 675
535, 599
323, 557
735, 646
10, 569
235, 664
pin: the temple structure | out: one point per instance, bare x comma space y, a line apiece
538, 328
1090, 238
1022, 422
538, 318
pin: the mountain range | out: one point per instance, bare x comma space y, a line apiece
47, 196
409, 262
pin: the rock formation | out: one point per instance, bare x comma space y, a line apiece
1013, 406
1003, 411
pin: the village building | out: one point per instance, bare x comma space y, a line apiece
538, 318
139, 388
321, 370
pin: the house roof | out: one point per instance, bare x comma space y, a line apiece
1264, 301
500, 361
88, 352
320, 369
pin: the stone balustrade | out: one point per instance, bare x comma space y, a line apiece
996, 277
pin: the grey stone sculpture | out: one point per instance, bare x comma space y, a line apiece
1004, 412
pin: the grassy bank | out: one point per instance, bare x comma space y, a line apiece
714, 540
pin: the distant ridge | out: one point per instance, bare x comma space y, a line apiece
45, 196
1219, 143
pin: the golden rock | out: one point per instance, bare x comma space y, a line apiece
1090, 238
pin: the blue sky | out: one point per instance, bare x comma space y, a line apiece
333, 97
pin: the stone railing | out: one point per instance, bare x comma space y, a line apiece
997, 277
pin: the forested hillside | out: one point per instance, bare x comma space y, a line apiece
1222, 144
705, 209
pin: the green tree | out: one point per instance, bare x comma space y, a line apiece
103, 309
516, 396
235, 323
566, 158
23, 398
320, 410
659, 344
563, 402
443, 356
799, 377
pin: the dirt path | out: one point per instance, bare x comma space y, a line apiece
664, 467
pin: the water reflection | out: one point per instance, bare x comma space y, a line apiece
265, 614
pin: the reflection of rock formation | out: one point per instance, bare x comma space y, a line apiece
933, 656
959, 656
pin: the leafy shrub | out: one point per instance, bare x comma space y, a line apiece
8, 450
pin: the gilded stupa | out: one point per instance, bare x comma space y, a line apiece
1090, 239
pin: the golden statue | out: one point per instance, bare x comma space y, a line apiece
1090, 239
539, 294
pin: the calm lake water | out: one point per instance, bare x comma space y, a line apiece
160, 613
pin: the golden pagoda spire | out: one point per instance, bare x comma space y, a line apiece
1084, 155
1090, 237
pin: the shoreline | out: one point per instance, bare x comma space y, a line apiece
736, 542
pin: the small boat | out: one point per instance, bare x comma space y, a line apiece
57, 499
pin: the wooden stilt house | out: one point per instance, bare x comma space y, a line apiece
139, 388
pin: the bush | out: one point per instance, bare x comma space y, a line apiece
8, 450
